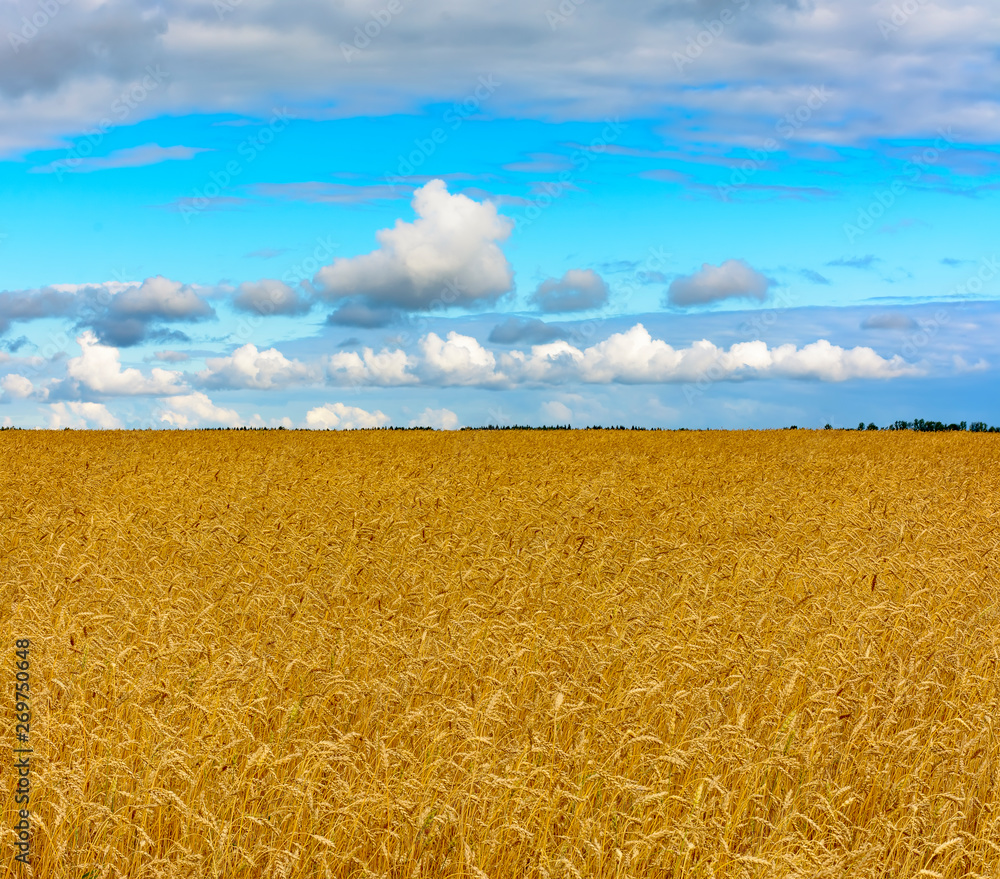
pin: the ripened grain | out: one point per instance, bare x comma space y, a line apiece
293, 654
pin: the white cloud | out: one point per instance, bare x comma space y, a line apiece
247, 367
99, 369
368, 368
81, 415
577, 290
962, 366
460, 360
337, 416
195, 410
629, 357
450, 253
17, 386
734, 279
634, 357
439, 419
256, 420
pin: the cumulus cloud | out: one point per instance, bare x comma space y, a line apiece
81, 415
734, 279
99, 369
197, 410
386, 368
458, 360
630, 357
577, 290
16, 387
247, 367
439, 419
130, 315
892, 320
271, 297
120, 314
450, 254
531, 331
26, 305
634, 357
337, 416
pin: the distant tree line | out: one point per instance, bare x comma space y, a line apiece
918, 424
929, 426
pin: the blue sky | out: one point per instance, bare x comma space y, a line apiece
341, 214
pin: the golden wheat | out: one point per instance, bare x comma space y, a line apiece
505, 654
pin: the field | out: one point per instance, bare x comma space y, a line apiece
298, 654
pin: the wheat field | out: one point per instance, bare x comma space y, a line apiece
505, 654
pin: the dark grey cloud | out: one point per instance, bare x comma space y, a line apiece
27, 305
577, 290
120, 316
363, 316
714, 78
271, 297
525, 331
53, 44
